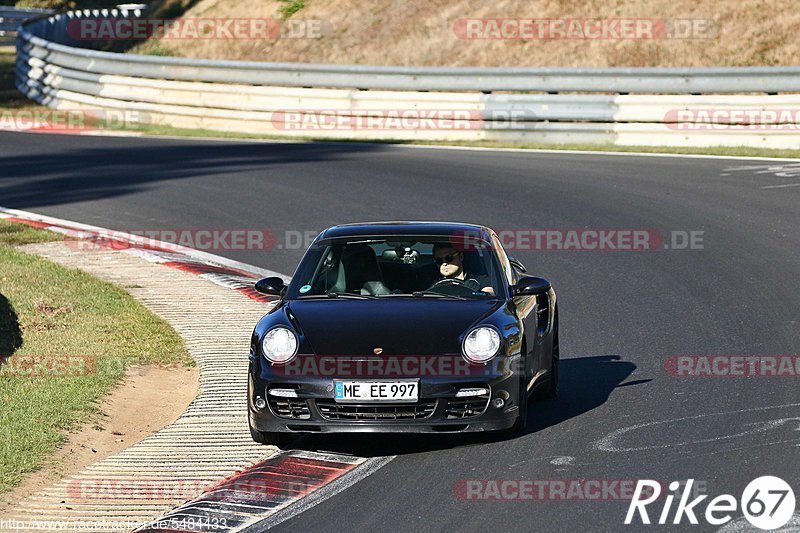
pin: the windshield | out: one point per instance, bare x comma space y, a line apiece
386, 267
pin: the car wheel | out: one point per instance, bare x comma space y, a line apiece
522, 419
281, 440
552, 387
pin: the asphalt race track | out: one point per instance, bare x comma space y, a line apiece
621, 414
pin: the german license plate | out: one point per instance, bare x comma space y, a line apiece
376, 391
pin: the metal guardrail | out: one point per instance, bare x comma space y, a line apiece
49, 37
12, 17
613, 80
51, 78
254, 97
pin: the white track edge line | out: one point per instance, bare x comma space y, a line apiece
121, 235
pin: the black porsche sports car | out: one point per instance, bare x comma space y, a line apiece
402, 327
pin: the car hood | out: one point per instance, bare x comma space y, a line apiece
398, 326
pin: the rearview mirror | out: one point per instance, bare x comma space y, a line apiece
531, 285
272, 285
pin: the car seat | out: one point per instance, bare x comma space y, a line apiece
359, 272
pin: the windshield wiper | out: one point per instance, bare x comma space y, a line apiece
350, 295
354, 296
430, 294
336, 295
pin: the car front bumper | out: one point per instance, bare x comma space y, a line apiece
438, 410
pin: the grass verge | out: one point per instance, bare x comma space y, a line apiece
65, 338
731, 151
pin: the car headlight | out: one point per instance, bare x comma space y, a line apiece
279, 345
481, 344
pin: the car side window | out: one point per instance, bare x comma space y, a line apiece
504, 262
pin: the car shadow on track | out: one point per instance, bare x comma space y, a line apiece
585, 384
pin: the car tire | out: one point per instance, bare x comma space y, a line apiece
521, 423
522, 420
551, 391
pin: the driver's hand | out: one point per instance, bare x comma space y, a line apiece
488, 290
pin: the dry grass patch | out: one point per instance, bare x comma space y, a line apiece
399, 32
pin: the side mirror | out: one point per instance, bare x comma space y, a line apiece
272, 285
531, 285
517, 264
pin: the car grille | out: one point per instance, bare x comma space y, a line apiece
466, 407
289, 408
331, 410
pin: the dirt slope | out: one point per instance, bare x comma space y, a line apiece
431, 32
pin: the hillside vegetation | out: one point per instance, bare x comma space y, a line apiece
405, 32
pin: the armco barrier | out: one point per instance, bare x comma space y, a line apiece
251, 97
11, 17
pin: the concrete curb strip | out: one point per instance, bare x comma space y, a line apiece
210, 442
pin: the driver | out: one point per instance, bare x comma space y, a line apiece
450, 261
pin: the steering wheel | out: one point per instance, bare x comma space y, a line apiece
451, 286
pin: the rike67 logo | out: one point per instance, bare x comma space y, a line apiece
768, 502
